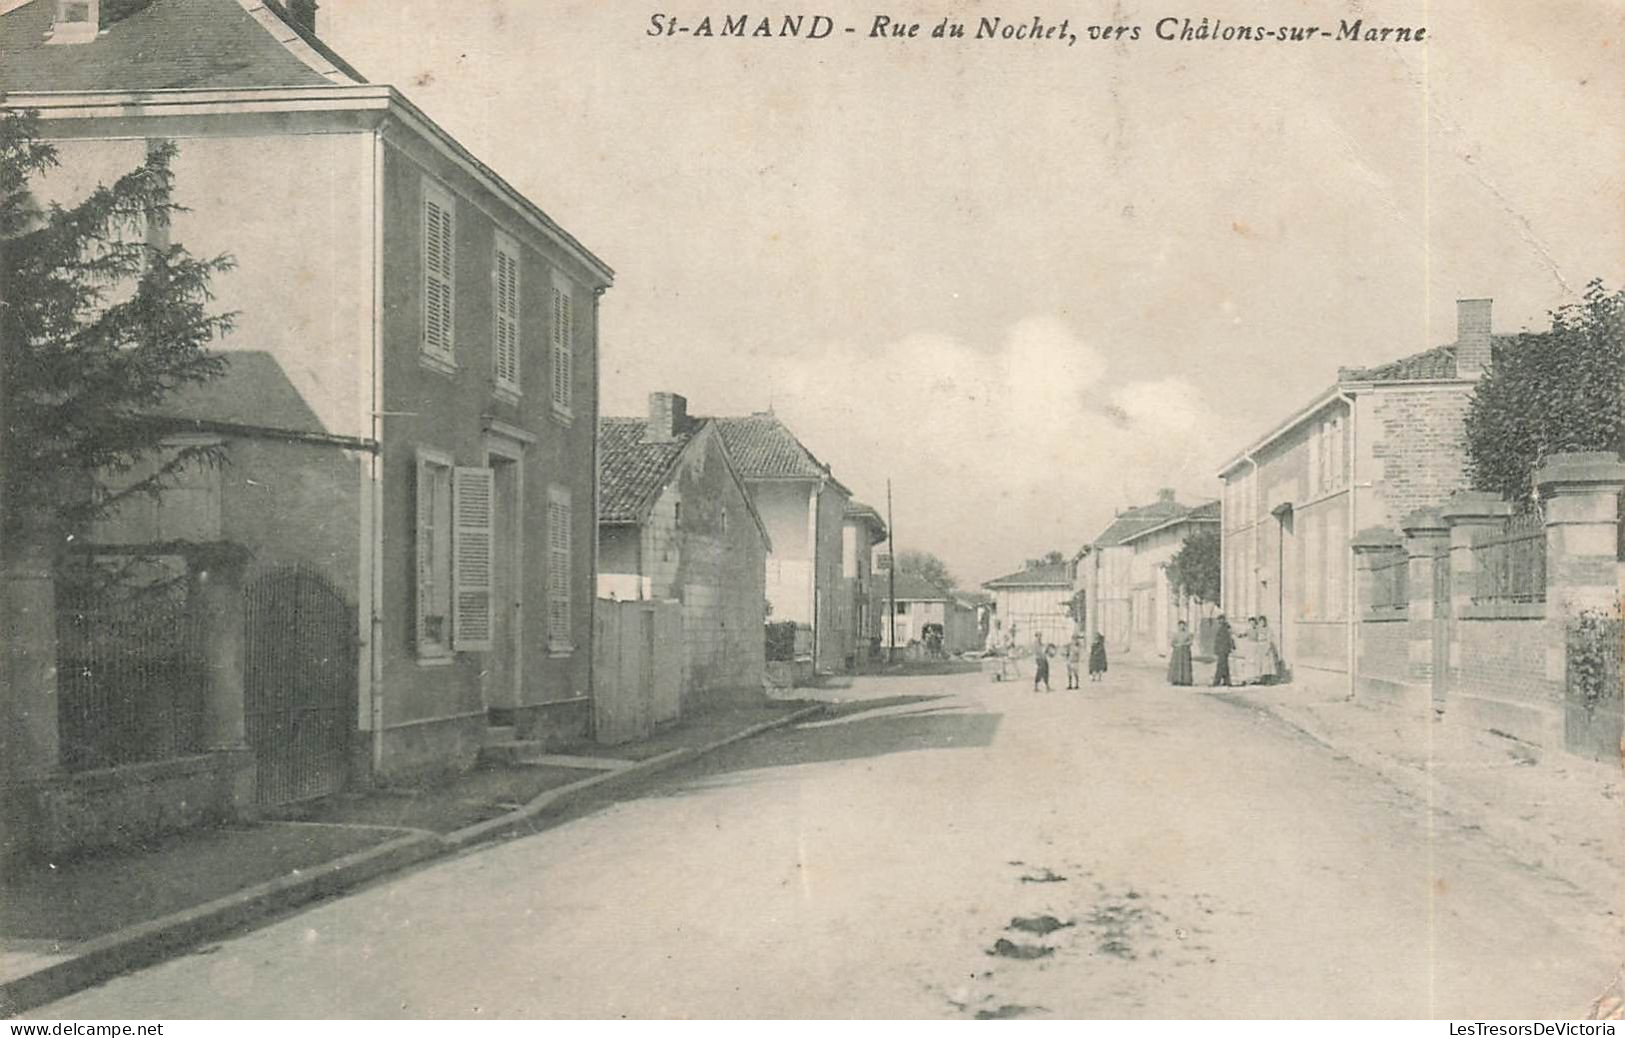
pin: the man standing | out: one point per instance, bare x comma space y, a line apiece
1223, 645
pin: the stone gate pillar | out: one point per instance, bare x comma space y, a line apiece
1468, 513
218, 572
1581, 495
1426, 536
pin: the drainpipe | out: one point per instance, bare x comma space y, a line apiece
1258, 505
1351, 577
375, 483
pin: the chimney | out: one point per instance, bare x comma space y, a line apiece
668, 418
301, 14
1165, 496
76, 21
1472, 337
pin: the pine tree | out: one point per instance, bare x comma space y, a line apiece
103, 319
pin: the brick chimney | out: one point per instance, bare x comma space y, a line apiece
1165, 496
301, 14
1472, 337
668, 418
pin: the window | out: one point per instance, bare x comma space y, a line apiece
563, 338
558, 569
434, 555
439, 255
506, 347
471, 558
902, 608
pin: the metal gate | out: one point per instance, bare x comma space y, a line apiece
1442, 609
1593, 702
299, 684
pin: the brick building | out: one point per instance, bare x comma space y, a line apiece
1378, 444
675, 522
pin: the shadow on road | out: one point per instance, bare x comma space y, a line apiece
873, 729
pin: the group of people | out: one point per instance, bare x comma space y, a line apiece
1042, 654
1245, 658
1240, 658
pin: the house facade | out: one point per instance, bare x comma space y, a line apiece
909, 604
411, 399
1036, 599
1379, 444
803, 507
1124, 576
863, 530
675, 522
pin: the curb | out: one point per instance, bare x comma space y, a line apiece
1512, 836
145, 944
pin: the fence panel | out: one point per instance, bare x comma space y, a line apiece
130, 666
1511, 564
1390, 583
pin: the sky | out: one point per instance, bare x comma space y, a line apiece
1031, 283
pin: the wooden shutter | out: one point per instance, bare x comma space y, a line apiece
471, 559
425, 549
558, 569
507, 319
563, 347
438, 257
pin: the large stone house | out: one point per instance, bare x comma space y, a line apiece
1123, 575
804, 508
1375, 446
675, 522
411, 404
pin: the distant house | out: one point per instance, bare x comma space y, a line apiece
1124, 575
675, 522
804, 508
910, 605
410, 410
862, 532
1037, 599
1376, 445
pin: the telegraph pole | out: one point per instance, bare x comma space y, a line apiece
891, 583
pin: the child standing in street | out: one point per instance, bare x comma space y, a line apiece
1074, 658
1041, 662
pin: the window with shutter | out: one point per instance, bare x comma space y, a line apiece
507, 347
439, 256
558, 569
563, 338
433, 537
471, 559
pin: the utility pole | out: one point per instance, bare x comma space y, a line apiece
891, 583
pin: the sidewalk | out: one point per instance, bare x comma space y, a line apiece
1550, 810
65, 926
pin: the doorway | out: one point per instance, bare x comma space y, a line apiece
503, 671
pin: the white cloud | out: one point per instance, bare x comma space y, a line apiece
995, 453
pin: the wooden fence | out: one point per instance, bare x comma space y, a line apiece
637, 668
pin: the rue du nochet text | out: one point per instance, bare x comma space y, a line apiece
1066, 31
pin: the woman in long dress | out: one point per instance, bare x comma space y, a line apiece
1269, 660
1097, 657
1179, 656
1243, 665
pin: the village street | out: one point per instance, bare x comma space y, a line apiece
1211, 861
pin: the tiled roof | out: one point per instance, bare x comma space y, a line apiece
866, 513
1439, 362
632, 470
1136, 521
1049, 574
763, 448
166, 44
910, 588
1205, 512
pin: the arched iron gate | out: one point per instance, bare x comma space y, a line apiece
299, 684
